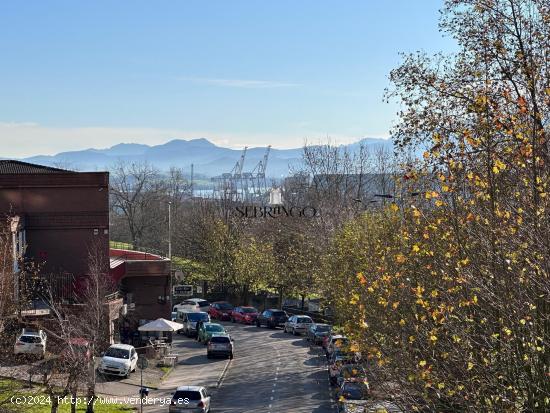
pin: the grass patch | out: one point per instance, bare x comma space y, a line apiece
34, 400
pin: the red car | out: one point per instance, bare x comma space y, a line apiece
245, 315
220, 310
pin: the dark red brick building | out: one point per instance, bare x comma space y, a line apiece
63, 215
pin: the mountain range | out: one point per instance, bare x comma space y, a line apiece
208, 159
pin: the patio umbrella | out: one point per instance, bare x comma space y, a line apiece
161, 324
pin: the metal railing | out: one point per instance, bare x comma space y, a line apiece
136, 248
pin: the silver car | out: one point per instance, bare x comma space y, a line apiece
190, 399
298, 324
190, 320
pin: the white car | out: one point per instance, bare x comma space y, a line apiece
118, 360
191, 399
298, 324
335, 342
193, 304
31, 342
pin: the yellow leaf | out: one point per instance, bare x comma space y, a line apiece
422, 363
394, 207
400, 258
415, 248
401, 322
470, 365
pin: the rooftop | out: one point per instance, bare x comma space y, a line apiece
19, 167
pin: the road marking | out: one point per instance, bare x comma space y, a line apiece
222, 375
271, 397
273, 391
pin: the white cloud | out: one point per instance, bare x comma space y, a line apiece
241, 83
20, 140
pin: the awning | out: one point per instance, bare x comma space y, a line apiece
161, 324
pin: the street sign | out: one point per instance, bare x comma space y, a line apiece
183, 290
142, 363
178, 275
199, 289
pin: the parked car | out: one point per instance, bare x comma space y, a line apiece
118, 360
31, 342
316, 332
245, 315
221, 310
190, 399
220, 344
190, 320
337, 361
297, 324
335, 342
351, 372
353, 397
271, 318
81, 348
194, 304
207, 329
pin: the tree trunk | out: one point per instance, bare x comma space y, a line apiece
74, 395
55, 405
90, 396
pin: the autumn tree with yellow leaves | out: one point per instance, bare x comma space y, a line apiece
451, 289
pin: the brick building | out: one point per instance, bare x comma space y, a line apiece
58, 218
62, 215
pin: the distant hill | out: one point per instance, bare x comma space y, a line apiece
208, 158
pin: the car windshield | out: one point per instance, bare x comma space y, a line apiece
225, 306
189, 395
279, 313
355, 391
249, 310
214, 328
117, 353
30, 339
220, 339
197, 316
203, 303
340, 342
304, 320
353, 371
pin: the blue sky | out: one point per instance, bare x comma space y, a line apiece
94, 74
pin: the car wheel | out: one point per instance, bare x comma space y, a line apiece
293, 331
232, 320
258, 324
208, 356
231, 356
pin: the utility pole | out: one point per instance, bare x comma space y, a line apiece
192, 181
170, 248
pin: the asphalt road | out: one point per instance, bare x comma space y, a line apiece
272, 372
